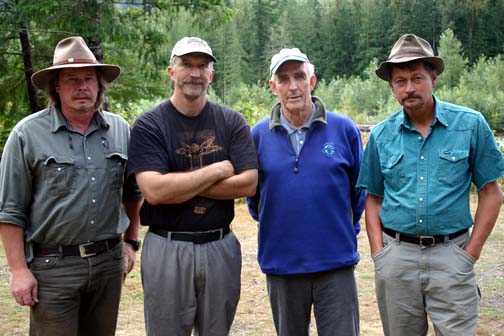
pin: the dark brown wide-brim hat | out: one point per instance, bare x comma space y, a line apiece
73, 52
409, 48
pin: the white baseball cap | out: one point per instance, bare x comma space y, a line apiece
188, 45
286, 54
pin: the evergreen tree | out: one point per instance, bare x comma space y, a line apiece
450, 50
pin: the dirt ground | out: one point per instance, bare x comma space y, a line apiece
253, 317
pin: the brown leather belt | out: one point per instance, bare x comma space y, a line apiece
83, 250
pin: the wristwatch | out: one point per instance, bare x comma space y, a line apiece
135, 244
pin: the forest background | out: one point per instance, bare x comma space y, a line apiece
344, 39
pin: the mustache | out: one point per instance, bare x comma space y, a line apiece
410, 96
82, 95
194, 81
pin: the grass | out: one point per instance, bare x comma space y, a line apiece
253, 317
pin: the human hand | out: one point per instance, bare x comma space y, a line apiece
24, 287
129, 259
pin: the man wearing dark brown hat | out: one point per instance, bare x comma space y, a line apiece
64, 201
418, 168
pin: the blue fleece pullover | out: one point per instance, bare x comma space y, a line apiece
307, 206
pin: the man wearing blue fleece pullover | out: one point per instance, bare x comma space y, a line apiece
307, 205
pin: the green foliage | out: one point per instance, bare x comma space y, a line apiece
481, 88
366, 100
450, 50
252, 101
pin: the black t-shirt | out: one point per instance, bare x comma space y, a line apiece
165, 140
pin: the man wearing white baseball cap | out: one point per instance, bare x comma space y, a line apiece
308, 244
191, 158
61, 200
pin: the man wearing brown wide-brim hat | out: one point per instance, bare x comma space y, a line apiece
64, 201
418, 168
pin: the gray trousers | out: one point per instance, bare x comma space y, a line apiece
77, 296
333, 295
190, 286
413, 282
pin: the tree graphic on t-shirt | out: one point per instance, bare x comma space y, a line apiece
195, 152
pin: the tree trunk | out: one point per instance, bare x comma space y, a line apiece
28, 69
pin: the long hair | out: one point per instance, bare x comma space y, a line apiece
53, 99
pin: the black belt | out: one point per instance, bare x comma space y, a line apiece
83, 250
423, 240
192, 237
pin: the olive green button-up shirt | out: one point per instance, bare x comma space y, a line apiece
63, 187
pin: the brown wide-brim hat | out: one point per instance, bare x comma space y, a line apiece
73, 52
409, 48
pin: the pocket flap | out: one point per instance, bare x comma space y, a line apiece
59, 160
117, 155
453, 155
391, 161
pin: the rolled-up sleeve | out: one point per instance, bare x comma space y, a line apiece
15, 182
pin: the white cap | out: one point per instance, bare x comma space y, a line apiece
285, 55
188, 45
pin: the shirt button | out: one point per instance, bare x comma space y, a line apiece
421, 178
301, 142
93, 178
453, 158
91, 222
419, 138
59, 168
89, 158
420, 221
421, 199
93, 200
422, 157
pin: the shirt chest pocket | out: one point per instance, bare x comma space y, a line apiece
115, 168
60, 175
392, 167
453, 166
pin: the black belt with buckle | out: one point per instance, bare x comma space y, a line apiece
192, 237
423, 240
84, 250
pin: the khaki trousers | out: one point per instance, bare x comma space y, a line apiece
413, 282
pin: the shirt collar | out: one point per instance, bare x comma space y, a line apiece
320, 113
59, 121
291, 129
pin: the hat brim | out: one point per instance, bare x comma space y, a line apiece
195, 51
383, 70
288, 58
108, 72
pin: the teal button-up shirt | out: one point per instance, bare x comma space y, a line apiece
62, 187
425, 183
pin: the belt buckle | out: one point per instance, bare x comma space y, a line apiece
82, 250
427, 238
